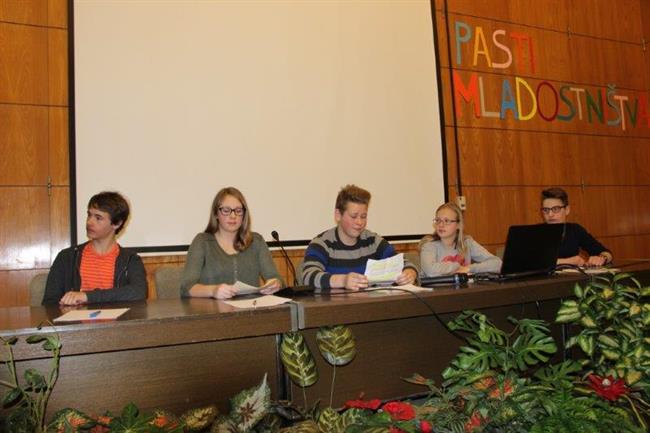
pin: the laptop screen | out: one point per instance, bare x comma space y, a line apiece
532, 248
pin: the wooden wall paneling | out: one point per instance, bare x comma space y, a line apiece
581, 122
23, 145
57, 13
489, 108
14, 287
445, 79
645, 24
23, 64
614, 210
59, 220
645, 19
552, 64
551, 14
24, 228
443, 51
613, 160
24, 11
452, 163
59, 157
281, 266
617, 20
503, 157
601, 62
58, 66
633, 247
643, 213
646, 55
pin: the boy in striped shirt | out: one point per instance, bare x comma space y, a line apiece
337, 258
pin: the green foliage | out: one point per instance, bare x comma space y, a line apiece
569, 414
336, 344
70, 420
297, 359
348, 418
223, 424
250, 406
307, 426
199, 419
561, 376
329, 421
27, 400
489, 347
612, 315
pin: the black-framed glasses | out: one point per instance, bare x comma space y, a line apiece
443, 221
226, 211
554, 209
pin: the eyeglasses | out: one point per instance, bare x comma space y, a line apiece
443, 221
554, 209
226, 211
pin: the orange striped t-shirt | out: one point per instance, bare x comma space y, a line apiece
97, 270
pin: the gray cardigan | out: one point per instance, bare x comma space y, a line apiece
208, 263
432, 254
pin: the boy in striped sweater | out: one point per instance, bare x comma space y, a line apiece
337, 257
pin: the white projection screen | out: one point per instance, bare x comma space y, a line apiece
286, 100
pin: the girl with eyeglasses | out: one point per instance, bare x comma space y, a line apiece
227, 252
450, 251
555, 209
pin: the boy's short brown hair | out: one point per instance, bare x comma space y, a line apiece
557, 193
351, 193
114, 204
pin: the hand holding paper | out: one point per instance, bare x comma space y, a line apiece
384, 271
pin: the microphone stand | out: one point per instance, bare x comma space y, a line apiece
276, 237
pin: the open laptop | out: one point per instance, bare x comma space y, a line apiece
530, 250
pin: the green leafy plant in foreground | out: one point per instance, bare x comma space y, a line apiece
338, 347
27, 399
499, 382
612, 314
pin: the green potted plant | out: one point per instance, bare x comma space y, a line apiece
612, 317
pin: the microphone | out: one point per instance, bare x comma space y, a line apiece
276, 237
454, 279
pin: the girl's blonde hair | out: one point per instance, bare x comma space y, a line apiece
459, 241
244, 235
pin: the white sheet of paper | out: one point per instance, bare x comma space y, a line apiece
245, 289
396, 290
590, 271
384, 271
262, 301
101, 314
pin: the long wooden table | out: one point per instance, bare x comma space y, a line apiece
179, 354
168, 354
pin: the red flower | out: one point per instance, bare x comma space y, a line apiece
399, 411
361, 404
395, 430
425, 427
507, 390
484, 383
607, 387
474, 422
